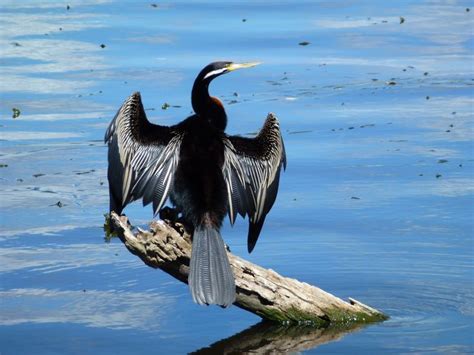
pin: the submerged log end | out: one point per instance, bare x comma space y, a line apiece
261, 291
335, 316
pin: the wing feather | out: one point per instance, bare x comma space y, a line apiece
252, 171
142, 157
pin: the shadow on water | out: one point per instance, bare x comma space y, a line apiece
266, 337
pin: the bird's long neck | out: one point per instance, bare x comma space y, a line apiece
207, 107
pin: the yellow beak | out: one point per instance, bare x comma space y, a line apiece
235, 66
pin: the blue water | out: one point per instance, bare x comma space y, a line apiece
376, 203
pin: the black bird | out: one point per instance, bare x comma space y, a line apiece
205, 173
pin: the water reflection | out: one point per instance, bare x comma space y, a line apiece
269, 338
34, 44
93, 308
59, 258
25, 135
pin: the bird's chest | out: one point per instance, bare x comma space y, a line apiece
199, 184
202, 148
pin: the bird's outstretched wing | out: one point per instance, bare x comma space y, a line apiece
142, 157
252, 173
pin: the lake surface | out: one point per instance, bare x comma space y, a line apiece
376, 203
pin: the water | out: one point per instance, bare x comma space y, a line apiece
376, 203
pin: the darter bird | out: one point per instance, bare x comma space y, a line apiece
204, 172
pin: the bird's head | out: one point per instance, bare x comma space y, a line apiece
206, 106
215, 69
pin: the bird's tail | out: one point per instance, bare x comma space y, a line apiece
210, 277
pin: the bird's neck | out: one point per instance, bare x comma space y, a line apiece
207, 107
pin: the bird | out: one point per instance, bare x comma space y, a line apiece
205, 173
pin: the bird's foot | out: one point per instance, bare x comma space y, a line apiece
169, 214
172, 218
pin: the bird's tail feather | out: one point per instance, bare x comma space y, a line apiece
210, 277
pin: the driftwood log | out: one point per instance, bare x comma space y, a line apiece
167, 246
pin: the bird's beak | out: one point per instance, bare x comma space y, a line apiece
235, 66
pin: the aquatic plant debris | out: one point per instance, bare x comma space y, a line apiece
299, 132
16, 112
109, 230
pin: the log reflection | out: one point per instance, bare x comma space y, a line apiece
268, 337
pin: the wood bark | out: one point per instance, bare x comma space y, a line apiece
167, 246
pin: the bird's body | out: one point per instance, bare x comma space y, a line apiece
205, 173
199, 189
